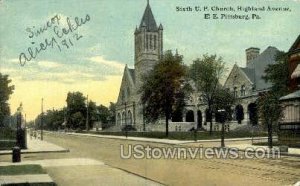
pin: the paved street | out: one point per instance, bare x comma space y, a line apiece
284, 171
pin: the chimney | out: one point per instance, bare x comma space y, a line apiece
251, 53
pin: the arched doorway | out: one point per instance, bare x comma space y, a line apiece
199, 115
189, 116
252, 110
239, 113
208, 115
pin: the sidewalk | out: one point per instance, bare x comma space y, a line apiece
77, 171
37, 146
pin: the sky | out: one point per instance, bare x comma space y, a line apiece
92, 57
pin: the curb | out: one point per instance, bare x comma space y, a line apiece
9, 152
251, 151
150, 141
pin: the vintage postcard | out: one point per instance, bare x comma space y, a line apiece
150, 92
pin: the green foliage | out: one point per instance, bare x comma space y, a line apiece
112, 112
21, 170
162, 89
104, 114
52, 119
5, 91
75, 114
207, 72
278, 74
270, 110
223, 99
76, 110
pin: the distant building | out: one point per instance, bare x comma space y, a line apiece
289, 127
246, 83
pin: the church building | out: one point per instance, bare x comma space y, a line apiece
148, 49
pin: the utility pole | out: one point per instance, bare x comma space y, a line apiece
42, 115
87, 113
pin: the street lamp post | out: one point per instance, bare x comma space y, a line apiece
42, 122
222, 120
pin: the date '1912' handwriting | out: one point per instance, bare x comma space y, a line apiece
64, 36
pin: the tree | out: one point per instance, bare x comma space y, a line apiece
207, 72
93, 113
162, 87
5, 91
223, 101
76, 110
112, 112
278, 74
52, 119
270, 110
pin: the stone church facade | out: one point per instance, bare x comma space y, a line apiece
246, 83
148, 49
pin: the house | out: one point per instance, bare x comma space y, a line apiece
289, 126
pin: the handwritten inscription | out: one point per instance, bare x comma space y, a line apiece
64, 36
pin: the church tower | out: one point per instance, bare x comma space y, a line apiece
148, 42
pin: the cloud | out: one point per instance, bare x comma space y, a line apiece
100, 60
49, 64
7, 70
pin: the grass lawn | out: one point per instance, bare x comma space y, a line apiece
7, 144
200, 135
21, 170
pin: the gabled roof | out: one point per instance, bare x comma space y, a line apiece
250, 73
259, 64
148, 20
294, 95
242, 74
295, 45
132, 74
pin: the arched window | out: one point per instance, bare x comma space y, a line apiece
189, 116
235, 92
239, 113
123, 118
252, 110
208, 115
147, 41
129, 119
154, 42
243, 90
119, 119
199, 115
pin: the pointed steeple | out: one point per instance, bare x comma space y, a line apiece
148, 20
